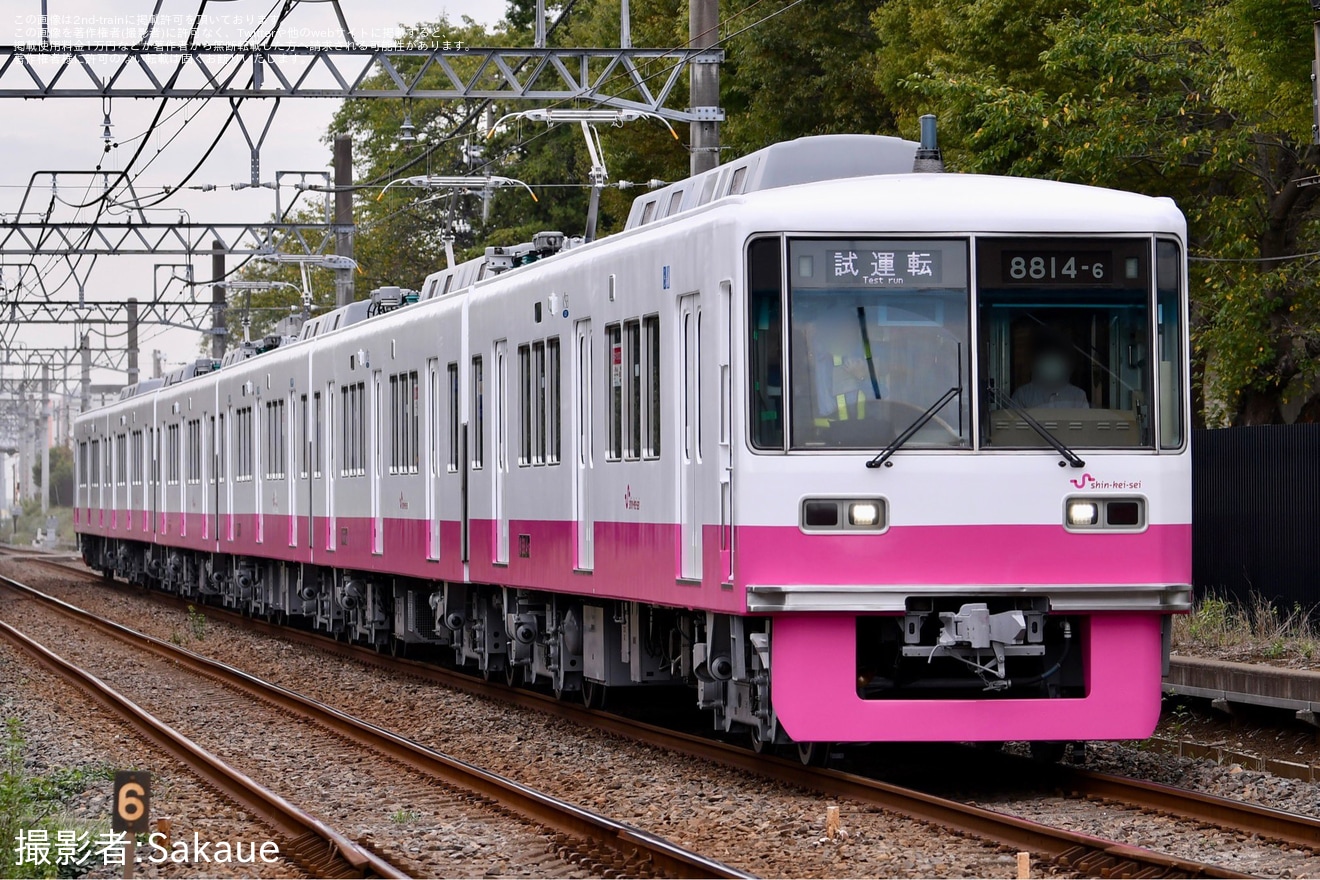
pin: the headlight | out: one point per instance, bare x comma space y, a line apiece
863, 513
1082, 513
843, 515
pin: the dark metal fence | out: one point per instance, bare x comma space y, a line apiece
1256, 513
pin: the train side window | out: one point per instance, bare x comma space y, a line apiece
304, 453
172, 453
274, 446
220, 447
525, 404
765, 343
316, 435
651, 372
478, 416
1168, 281
194, 450
404, 423
553, 405
121, 460
452, 374
632, 335
614, 384
538, 408
396, 423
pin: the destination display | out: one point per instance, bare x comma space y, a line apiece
880, 263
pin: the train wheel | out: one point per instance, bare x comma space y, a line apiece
398, 648
511, 675
813, 754
760, 746
593, 694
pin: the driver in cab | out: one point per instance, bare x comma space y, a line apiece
843, 373
1051, 382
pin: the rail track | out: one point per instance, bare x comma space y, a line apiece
315, 847
1085, 854
601, 845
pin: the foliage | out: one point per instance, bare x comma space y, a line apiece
1204, 102
1207, 103
61, 468
29, 802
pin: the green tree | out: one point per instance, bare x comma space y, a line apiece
61, 468
1204, 102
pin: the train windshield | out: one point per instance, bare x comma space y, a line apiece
1064, 326
878, 333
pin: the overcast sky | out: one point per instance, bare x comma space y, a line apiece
65, 135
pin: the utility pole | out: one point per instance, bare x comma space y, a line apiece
43, 437
218, 328
344, 216
704, 92
85, 349
132, 340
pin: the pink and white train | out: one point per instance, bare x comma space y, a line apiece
860, 454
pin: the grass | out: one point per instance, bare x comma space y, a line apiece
1255, 629
22, 530
405, 817
29, 802
196, 623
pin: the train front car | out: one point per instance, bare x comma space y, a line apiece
964, 499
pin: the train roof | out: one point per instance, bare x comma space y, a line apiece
804, 160
951, 203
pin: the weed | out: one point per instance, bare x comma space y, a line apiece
405, 817
31, 803
1256, 628
197, 623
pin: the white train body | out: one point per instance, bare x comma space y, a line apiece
644, 459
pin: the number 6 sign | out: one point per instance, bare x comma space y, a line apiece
132, 810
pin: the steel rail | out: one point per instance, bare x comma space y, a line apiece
634, 849
1078, 852
315, 846
1291, 828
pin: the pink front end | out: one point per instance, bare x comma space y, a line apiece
814, 653
815, 690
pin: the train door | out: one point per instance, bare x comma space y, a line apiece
312, 413
432, 447
689, 514
257, 443
725, 417
501, 451
585, 526
331, 526
373, 465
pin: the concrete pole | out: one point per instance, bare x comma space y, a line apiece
218, 328
132, 340
85, 349
25, 447
704, 93
43, 437
344, 293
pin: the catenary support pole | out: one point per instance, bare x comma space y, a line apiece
344, 216
704, 92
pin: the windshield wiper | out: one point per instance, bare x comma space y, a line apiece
920, 422
1006, 401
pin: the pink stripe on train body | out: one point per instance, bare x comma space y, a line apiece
815, 697
969, 554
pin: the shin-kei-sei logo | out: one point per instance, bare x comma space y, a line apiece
629, 502
1088, 481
